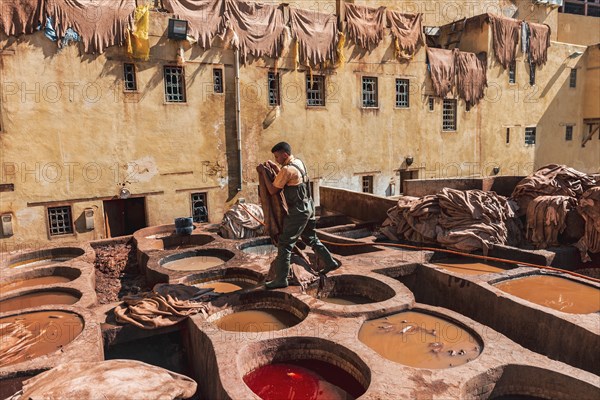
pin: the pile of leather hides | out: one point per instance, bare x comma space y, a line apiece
466, 220
113, 379
241, 222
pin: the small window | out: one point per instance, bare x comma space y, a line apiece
60, 221
449, 115
402, 93
530, 135
367, 184
431, 102
199, 208
507, 135
573, 78
218, 80
315, 90
174, 85
273, 82
129, 77
512, 72
531, 74
569, 132
369, 92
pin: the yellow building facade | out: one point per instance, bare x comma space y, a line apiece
76, 139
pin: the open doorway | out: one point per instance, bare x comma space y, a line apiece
406, 175
124, 216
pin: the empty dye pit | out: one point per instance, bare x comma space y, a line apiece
257, 320
351, 290
466, 266
26, 336
38, 299
420, 340
28, 283
261, 250
554, 292
225, 286
303, 379
40, 262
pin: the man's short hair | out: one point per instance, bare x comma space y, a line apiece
282, 146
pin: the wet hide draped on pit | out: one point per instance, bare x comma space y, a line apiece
259, 28
206, 18
505, 39
20, 17
365, 25
471, 79
99, 26
316, 35
111, 379
442, 70
546, 219
589, 209
165, 305
407, 31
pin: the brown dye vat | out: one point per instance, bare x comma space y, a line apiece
37, 299
554, 292
27, 283
469, 266
346, 300
41, 262
26, 336
197, 263
420, 340
225, 287
258, 320
261, 250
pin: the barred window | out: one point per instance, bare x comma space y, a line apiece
369, 92
273, 82
431, 102
507, 135
530, 135
367, 184
512, 72
218, 80
590, 8
174, 84
449, 115
315, 90
60, 221
402, 93
129, 77
569, 132
199, 207
573, 78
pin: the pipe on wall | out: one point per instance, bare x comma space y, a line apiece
238, 119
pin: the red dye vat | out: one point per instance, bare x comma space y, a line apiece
303, 380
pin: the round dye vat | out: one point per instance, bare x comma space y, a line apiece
37, 299
27, 283
346, 300
26, 336
197, 263
41, 262
469, 267
420, 340
225, 286
257, 320
261, 250
554, 292
303, 379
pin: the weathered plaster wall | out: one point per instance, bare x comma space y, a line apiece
578, 29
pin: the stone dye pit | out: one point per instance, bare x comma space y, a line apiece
33, 282
259, 320
471, 266
420, 340
39, 298
351, 290
196, 261
554, 292
45, 257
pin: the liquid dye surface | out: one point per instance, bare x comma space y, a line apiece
469, 268
198, 263
27, 336
303, 380
37, 299
261, 250
420, 340
224, 287
346, 300
554, 292
41, 262
27, 283
259, 320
